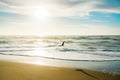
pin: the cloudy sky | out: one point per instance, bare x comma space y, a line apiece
59, 17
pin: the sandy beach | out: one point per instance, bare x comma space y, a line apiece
24, 71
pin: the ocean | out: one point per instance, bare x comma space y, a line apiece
100, 53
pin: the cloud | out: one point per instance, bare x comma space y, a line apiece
62, 8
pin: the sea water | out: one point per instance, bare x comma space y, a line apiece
100, 53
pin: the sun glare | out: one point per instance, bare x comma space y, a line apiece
41, 13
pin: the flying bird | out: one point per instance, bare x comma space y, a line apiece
62, 43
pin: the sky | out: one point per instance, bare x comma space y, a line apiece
59, 17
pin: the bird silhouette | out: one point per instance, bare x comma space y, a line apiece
62, 43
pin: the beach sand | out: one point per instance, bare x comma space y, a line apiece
24, 71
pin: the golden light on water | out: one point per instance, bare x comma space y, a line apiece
40, 52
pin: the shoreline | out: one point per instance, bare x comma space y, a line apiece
63, 59
24, 71
110, 67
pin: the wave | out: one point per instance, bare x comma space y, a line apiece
62, 58
15, 50
103, 46
90, 49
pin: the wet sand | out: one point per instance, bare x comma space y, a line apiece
24, 71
